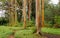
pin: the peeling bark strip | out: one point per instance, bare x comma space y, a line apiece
24, 12
38, 8
42, 13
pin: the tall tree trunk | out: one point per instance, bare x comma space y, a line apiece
24, 13
42, 13
12, 12
29, 9
38, 11
59, 2
9, 16
11, 21
15, 12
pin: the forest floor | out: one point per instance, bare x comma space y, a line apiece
51, 32
51, 35
7, 32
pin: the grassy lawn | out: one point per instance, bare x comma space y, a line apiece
25, 33
51, 30
20, 33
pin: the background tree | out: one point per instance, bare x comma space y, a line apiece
24, 13
12, 12
29, 9
42, 13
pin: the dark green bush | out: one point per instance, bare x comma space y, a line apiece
3, 21
30, 23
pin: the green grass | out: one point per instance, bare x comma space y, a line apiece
5, 31
51, 30
20, 33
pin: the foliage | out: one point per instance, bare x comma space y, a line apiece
51, 11
3, 21
30, 23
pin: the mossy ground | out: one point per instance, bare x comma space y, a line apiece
5, 31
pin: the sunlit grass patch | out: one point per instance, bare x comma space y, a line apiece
51, 30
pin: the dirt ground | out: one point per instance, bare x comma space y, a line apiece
51, 35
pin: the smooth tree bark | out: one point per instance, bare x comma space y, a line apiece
59, 1
42, 13
24, 13
38, 11
15, 12
29, 9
